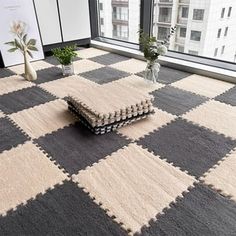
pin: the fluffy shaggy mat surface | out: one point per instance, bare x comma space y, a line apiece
173, 173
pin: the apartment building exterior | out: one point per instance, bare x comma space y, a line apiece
204, 27
119, 19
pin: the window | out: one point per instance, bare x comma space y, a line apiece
120, 13
165, 14
184, 12
162, 33
219, 33
182, 32
229, 11
216, 52
120, 31
101, 6
195, 35
198, 14
193, 52
180, 49
119, 23
222, 12
226, 31
222, 50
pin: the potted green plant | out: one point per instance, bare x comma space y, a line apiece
152, 49
65, 57
24, 45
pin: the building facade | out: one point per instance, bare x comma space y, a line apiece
119, 19
204, 27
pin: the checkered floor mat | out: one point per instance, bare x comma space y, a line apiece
173, 173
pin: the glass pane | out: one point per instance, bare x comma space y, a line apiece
119, 19
204, 28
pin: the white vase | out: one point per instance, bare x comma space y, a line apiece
68, 69
152, 71
30, 73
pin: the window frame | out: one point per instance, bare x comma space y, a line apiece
202, 14
146, 24
222, 15
229, 12
222, 50
226, 31
182, 7
196, 31
185, 34
219, 33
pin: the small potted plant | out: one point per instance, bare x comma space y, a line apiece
65, 56
152, 49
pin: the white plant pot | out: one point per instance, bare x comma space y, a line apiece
68, 69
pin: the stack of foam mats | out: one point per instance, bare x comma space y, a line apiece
106, 108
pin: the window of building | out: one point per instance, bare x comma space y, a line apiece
182, 32
193, 52
222, 12
165, 14
195, 35
222, 50
226, 31
101, 6
218, 33
198, 14
120, 31
162, 33
180, 49
216, 52
229, 11
120, 13
184, 13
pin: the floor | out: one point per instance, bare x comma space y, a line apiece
171, 174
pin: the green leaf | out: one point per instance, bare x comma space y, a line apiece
11, 43
24, 38
32, 48
32, 42
12, 49
19, 45
30, 54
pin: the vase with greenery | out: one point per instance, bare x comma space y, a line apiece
152, 49
65, 57
24, 45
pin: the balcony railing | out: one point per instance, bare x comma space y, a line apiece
180, 41
164, 19
184, 2
120, 16
122, 35
165, 2
120, 2
182, 21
